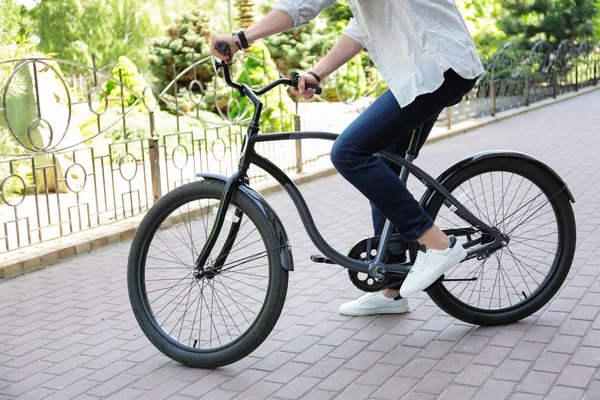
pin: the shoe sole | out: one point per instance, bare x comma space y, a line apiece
375, 312
431, 281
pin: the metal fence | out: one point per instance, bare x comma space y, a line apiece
80, 148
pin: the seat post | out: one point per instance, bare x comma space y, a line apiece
413, 147
411, 154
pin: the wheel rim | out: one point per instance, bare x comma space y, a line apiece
217, 310
516, 273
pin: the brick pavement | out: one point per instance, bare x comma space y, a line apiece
68, 331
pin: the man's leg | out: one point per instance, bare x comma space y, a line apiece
400, 149
383, 302
352, 154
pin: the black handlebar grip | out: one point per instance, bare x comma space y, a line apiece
318, 89
223, 48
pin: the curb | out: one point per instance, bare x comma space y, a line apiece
31, 258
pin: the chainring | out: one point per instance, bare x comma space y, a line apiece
363, 281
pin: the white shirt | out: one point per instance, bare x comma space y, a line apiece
412, 42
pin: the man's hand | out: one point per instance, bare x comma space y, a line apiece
304, 80
233, 48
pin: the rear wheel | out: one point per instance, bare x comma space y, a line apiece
223, 314
518, 198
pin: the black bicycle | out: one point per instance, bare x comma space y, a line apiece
208, 266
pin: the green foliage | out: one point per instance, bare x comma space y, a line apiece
10, 17
261, 72
338, 12
300, 48
481, 18
186, 43
76, 29
551, 20
349, 82
127, 70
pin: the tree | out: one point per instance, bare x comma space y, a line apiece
76, 29
481, 17
11, 16
551, 20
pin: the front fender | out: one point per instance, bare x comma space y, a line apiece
284, 249
466, 162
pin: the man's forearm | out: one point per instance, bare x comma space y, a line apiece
344, 50
274, 22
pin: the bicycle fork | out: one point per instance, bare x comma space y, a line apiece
232, 185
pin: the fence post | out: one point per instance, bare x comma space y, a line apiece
554, 83
526, 90
448, 118
155, 167
595, 78
492, 98
576, 77
298, 128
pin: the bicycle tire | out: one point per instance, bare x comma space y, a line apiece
275, 292
559, 202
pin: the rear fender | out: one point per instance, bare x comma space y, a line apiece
466, 162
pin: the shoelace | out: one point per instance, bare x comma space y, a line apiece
420, 263
369, 296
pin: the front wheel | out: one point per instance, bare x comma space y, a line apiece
520, 199
226, 312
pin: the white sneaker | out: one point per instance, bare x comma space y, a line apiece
374, 303
430, 265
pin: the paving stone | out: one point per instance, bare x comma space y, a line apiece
458, 392
495, 390
537, 382
562, 393
512, 370
576, 376
475, 375
551, 362
435, 383
395, 388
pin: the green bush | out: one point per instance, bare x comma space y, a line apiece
261, 72
299, 49
132, 79
348, 83
186, 43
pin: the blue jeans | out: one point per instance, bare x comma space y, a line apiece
387, 126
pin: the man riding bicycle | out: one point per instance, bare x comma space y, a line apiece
427, 57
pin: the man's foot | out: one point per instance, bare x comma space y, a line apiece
374, 303
430, 265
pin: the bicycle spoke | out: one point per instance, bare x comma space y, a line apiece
211, 284
519, 262
533, 247
167, 290
228, 294
493, 199
523, 264
487, 212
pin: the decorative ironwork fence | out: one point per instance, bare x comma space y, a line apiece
80, 148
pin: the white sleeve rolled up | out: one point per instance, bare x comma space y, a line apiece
352, 30
302, 11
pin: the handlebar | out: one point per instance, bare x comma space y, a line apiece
223, 48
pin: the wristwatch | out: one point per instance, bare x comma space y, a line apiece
242, 36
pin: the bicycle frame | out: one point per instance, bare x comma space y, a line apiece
374, 268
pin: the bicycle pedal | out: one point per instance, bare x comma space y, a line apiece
319, 258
